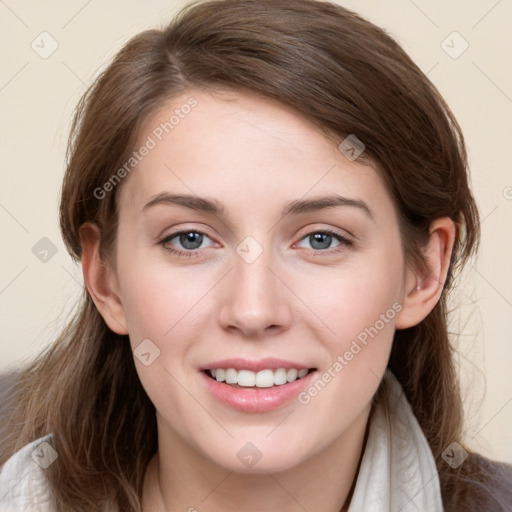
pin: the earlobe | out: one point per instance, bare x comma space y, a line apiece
100, 280
423, 288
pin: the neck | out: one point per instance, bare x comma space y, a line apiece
179, 478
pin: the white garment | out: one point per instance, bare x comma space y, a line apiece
397, 473
23, 486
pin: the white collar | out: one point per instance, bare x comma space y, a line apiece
398, 472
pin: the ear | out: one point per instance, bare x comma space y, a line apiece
100, 280
423, 289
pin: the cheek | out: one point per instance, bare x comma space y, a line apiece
162, 307
363, 320
358, 306
361, 317
353, 297
165, 304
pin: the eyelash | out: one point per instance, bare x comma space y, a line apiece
344, 242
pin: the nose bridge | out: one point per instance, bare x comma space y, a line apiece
254, 298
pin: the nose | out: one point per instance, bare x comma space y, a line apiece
254, 300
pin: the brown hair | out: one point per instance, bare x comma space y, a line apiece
309, 55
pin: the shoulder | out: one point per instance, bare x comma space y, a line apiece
23, 484
488, 486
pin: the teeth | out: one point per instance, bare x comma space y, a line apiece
292, 374
231, 376
280, 376
262, 379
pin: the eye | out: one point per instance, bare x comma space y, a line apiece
321, 240
190, 239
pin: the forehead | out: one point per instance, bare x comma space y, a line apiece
241, 148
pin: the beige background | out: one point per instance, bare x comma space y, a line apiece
37, 97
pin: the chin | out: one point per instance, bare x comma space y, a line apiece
255, 457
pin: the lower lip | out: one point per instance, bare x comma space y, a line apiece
257, 399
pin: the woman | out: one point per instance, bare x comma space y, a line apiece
269, 216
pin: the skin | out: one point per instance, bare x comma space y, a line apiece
298, 300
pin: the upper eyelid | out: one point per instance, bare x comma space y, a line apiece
170, 236
330, 231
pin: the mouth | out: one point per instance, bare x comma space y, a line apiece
259, 391
263, 379
257, 385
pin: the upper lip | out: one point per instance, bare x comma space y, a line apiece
255, 366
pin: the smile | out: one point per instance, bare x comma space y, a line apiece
251, 396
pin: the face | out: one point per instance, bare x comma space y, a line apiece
314, 288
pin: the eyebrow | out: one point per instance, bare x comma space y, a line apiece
298, 206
